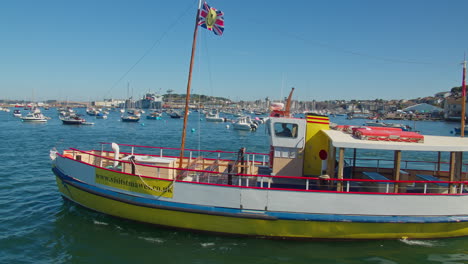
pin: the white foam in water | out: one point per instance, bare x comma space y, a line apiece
449, 258
99, 223
152, 239
424, 243
209, 244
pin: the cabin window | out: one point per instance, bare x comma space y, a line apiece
287, 130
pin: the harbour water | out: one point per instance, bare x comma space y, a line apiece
38, 226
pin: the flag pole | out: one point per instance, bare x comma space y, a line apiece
187, 96
463, 113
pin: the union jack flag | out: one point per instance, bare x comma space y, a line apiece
211, 19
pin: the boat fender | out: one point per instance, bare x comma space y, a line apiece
116, 150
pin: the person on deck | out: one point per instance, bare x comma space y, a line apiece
286, 131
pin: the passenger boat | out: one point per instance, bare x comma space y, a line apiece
299, 190
313, 184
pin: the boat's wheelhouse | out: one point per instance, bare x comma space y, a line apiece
287, 141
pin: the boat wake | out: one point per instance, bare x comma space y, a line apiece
152, 240
99, 223
423, 243
209, 244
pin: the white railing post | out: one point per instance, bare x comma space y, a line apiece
347, 186
307, 184
100, 158
161, 153
425, 187
132, 150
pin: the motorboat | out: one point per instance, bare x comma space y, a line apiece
174, 114
214, 117
101, 115
72, 119
34, 115
130, 118
244, 123
154, 115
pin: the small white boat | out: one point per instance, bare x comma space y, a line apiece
244, 123
16, 113
92, 111
214, 117
34, 116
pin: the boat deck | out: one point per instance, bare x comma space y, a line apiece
256, 174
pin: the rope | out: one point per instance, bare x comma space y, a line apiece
151, 188
155, 43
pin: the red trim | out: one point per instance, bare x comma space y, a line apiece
199, 150
279, 189
318, 118
314, 122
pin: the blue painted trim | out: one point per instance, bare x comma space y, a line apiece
267, 215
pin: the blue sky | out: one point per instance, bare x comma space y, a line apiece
334, 49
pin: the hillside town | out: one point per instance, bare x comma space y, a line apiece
441, 106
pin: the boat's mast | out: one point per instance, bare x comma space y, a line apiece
187, 96
463, 113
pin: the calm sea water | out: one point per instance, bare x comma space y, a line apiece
38, 226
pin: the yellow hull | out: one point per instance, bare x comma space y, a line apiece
293, 229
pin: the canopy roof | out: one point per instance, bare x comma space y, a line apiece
427, 108
341, 139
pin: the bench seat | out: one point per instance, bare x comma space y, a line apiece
424, 177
